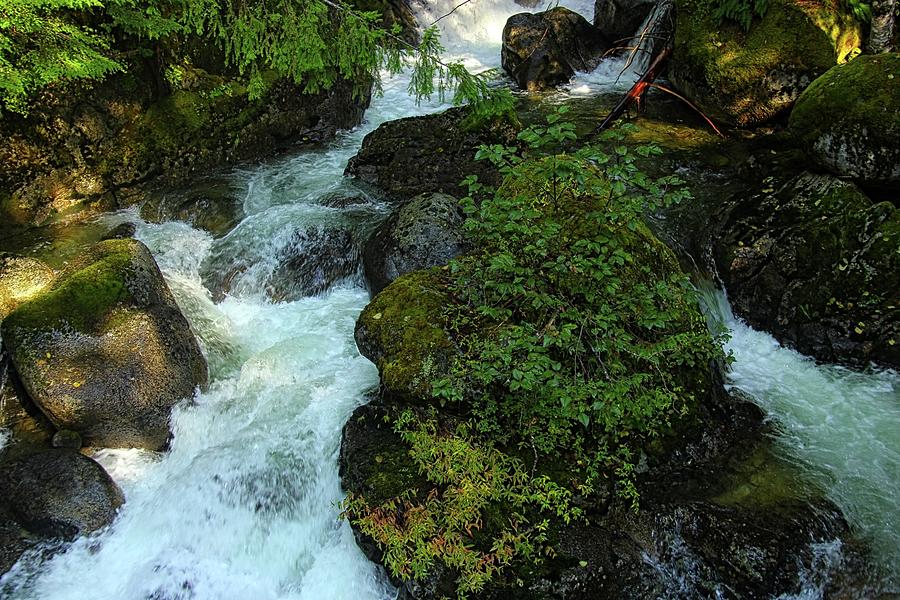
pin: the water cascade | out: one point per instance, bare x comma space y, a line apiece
244, 503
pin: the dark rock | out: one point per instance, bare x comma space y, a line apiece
618, 20
314, 261
424, 232
66, 438
212, 205
105, 350
121, 231
542, 50
432, 153
394, 13
59, 493
14, 541
814, 261
767, 67
27, 429
848, 120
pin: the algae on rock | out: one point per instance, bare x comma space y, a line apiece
747, 78
105, 350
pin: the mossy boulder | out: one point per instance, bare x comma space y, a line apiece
431, 153
745, 78
21, 278
425, 232
815, 262
59, 493
402, 331
105, 351
848, 120
542, 50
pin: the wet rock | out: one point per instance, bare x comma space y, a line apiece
618, 20
107, 145
848, 120
314, 261
394, 13
431, 153
105, 351
20, 278
814, 261
26, 428
424, 232
745, 78
403, 332
66, 438
121, 231
542, 50
14, 541
211, 205
59, 493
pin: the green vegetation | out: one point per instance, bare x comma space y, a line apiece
740, 11
312, 42
568, 345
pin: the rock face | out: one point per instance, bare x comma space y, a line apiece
424, 232
102, 148
105, 351
695, 540
815, 262
432, 153
20, 279
848, 120
746, 78
619, 19
542, 50
59, 493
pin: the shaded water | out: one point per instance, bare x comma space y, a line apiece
244, 504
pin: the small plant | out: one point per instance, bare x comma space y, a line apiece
740, 11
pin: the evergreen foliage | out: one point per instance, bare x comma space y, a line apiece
312, 42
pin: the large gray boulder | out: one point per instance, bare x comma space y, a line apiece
59, 493
848, 120
105, 351
542, 50
424, 232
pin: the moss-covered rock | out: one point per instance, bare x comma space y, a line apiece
103, 146
848, 120
403, 332
815, 262
105, 351
20, 279
425, 232
746, 78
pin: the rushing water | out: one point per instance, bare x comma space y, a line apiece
244, 503
839, 427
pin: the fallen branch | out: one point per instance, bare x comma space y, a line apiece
637, 91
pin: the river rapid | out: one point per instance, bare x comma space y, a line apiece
244, 504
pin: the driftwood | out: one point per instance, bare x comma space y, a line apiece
636, 94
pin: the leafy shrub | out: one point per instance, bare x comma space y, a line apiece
740, 11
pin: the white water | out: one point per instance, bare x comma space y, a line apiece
243, 505
838, 426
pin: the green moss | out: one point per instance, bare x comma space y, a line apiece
404, 320
82, 297
790, 41
858, 99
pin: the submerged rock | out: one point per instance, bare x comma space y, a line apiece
424, 232
314, 261
431, 153
105, 351
848, 120
542, 50
814, 261
59, 493
746, 78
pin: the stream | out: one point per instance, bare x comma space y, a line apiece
244, 505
